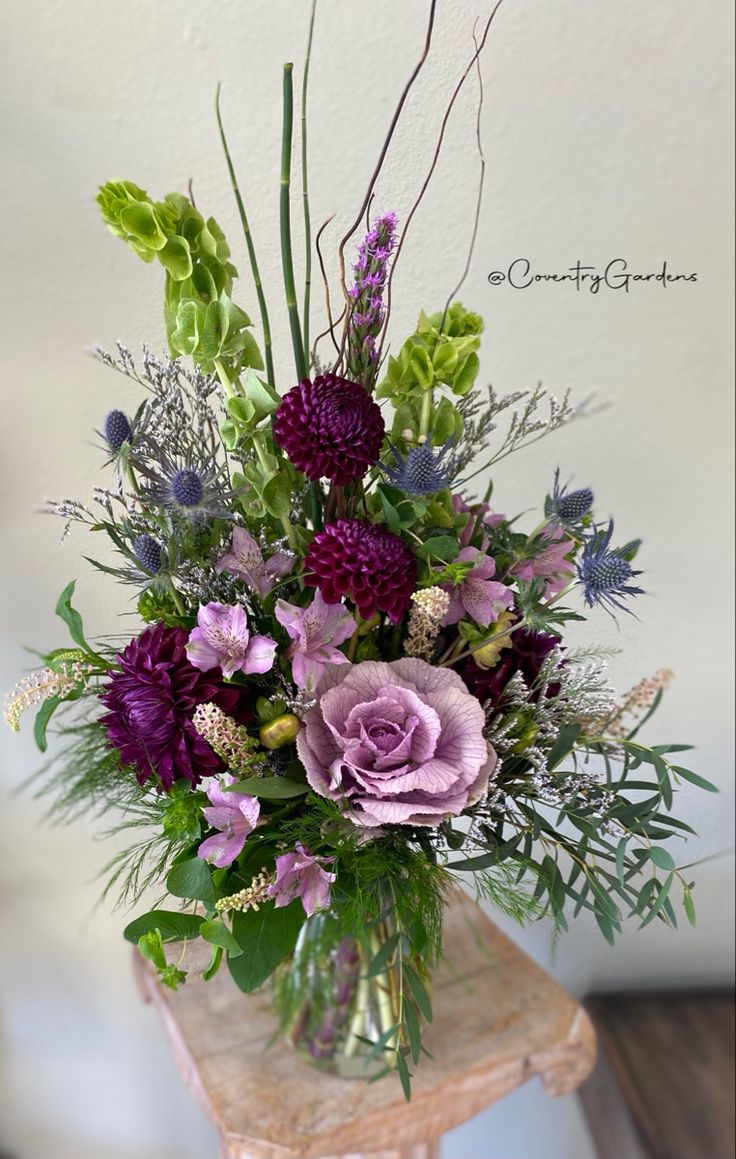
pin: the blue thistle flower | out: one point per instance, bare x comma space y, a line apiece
422, 471
567, 507
148, 553
196, 488
187, 488
605, 572
117, 429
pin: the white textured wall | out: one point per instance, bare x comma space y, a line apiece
606, 135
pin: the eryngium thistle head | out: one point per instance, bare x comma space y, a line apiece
148, 553
568, 507
151, 700
605, 572
187, 488
365, 561
329, 428
117, 430
422, 471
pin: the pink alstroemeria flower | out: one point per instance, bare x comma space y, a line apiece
245, 560
315, 631
481, 517
222, 640
551, 565
235, 815
478, 595
301, 875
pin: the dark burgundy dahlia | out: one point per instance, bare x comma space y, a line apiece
150, 704
362, 560
526, 655
330, 428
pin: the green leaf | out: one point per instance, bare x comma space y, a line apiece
689, 904
216, 932
41, 723
413, 1030
276, 495
417, 988
441, 547
662, 895
391, 515
269, 788
470, 864
150, 946
71, 617
192, 879
620, 855
694, 779
466, 375
266, 936
420, 365
383, 955
564, 744
661, 857
404, 1076
215, 963
176, 258
174, 926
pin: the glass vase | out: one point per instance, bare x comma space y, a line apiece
335, 1000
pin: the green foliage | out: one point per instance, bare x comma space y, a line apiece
192, 879
202, 321
172, 926
442, 353
265, 936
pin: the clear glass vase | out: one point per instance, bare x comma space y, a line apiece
332, 1007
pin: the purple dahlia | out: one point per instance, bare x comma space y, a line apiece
330, 428
150, 703
526, 654
365, 561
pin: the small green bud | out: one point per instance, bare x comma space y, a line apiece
280, 731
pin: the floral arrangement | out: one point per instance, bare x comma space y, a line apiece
353, 687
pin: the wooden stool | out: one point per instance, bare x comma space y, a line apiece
498, 1020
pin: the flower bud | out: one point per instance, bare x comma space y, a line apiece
280, 731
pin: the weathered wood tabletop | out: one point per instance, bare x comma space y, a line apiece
499, 1020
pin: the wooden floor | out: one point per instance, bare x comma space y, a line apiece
663, 1087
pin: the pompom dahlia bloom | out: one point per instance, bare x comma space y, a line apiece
330, 428
396, 743
365, 561
150, 703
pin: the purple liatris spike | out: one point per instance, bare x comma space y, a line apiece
368, 311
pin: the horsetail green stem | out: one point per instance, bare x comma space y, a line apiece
265, 323
287, 260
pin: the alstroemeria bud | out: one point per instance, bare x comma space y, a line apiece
280, 731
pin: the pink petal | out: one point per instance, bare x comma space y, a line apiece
221, 849
259, 656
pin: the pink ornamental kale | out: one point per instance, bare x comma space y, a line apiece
301, 875
222, 640
235, 815
396, 743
